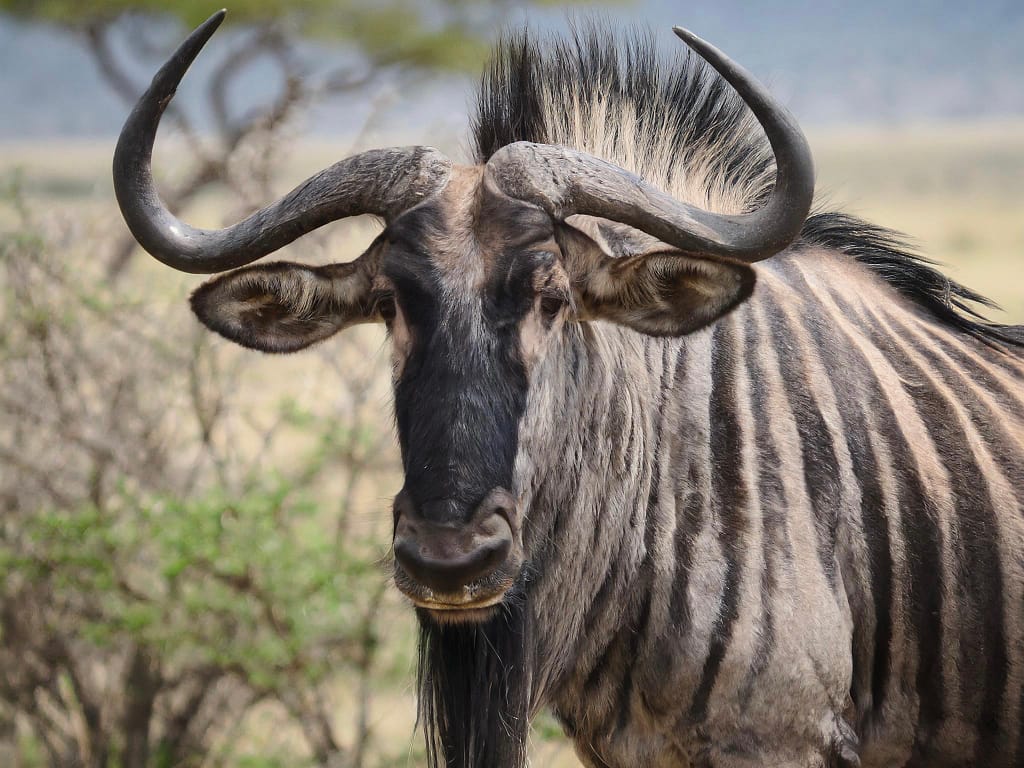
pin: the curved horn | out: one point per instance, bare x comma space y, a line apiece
384, 182
566, 182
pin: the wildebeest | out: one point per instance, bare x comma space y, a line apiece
710, 513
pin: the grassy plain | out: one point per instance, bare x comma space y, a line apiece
957, 191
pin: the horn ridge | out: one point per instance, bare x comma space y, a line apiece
383, 182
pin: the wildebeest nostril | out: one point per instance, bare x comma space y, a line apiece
442, 561
498, 503
402, 508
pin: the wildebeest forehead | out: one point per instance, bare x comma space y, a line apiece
433, 302
471, 248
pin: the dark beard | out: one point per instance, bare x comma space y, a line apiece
474, 690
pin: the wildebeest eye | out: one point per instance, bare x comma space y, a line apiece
550, 306
385, 306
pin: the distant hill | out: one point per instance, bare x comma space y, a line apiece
833, 61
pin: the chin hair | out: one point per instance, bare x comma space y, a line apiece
474, 688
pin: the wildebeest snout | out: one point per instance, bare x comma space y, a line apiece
449, 555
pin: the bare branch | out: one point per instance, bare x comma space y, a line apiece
96, 36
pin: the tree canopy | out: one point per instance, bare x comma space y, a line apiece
443, 34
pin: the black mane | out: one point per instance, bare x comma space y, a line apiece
887, 254
688, 123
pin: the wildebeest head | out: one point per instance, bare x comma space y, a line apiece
477, 271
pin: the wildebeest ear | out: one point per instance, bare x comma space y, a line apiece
661, 293
285, 307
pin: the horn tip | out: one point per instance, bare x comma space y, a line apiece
696, 42
167, 79
216, 19
201, 34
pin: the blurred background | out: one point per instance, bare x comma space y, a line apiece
193, 538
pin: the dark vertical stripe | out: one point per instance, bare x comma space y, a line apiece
856, 392
817, 449
653, 520
774, 535
597, 672
921, 534
600, 605
1019, 761
982, 632
876, 535
624, 698
689, 518
730, 498
615, 665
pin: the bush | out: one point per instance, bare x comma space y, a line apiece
187, 548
